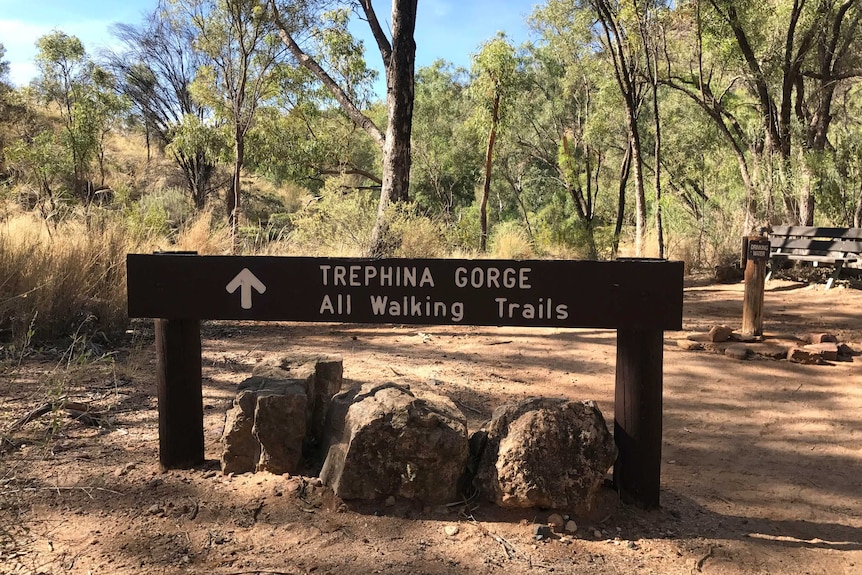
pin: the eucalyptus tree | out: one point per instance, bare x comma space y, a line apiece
5, 103
64, 70
239, 41
445, 149
786, 60
155, 67
591, 135
84, 97
315, 31
495, 83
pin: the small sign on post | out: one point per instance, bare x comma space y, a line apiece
756, 257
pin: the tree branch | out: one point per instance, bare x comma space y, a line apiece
352, 111
379, 36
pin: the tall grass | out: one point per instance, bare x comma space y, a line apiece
52, 283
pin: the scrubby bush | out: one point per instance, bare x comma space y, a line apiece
509, 240
337, 223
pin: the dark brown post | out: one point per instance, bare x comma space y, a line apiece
178, 376
757, 254
638, 416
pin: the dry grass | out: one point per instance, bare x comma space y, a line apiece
57, 281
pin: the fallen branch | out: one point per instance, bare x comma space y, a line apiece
698, 565
78, 411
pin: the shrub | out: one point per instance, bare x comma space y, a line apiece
509, 241
338, 223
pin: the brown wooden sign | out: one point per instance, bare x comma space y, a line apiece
637, 294
639, 298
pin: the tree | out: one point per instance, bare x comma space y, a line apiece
238, 39
570, 82
155, 69
398, 55
651, 31
786, 62
5, 104
446, 150
625, 56
64, 69
495, 70
84, 97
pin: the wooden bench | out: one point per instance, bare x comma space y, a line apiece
827, 246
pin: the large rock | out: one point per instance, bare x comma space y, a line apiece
387, 441
279, 414
240, 448
543, 452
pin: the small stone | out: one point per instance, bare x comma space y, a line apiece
689, 345
821, 338
771, 351
571, 526
806, 356
451, 530
541, 532
390, 501
154, 509
597, 534
631, 545
124, 470
720, 333
556, 522
845, 350
737, 351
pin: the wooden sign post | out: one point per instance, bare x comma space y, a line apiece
756, 256
639, 298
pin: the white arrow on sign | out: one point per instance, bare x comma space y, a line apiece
245, 280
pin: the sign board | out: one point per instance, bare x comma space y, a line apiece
633, 294
758, 249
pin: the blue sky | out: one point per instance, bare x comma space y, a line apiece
446, 29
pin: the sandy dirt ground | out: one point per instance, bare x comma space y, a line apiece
761, 463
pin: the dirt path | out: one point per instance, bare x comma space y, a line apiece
762, 459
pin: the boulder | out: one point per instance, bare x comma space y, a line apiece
543, 452
279, 414
280, 428
720, 333
386, 441
321, 376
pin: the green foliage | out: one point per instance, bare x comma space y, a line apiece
447, 152
336, 223
157, 214
464, 231
192, 136
495, 71
416, 235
